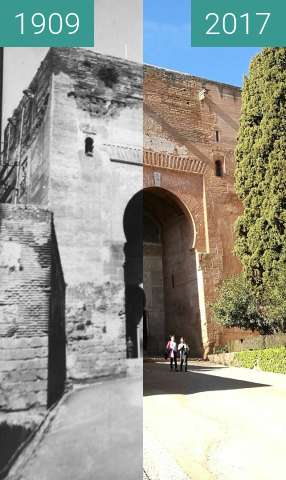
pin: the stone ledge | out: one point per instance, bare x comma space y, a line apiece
23, 354
222, 358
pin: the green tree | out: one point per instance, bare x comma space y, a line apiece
237, 306
274, 300
260, 175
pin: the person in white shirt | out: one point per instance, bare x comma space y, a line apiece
183, 350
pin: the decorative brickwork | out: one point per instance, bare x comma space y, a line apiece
173, 162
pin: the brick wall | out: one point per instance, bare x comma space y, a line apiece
26, 319
183, 138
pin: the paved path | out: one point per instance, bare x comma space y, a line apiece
96, 435
229, 424
158, 463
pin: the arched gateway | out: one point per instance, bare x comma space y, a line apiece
170, 272
189, 214
161, 272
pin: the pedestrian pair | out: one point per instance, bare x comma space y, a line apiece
173, 351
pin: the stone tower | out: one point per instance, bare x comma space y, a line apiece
110, 220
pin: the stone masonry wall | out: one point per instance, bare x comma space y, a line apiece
30, 151
95, 331
79, 95
99, 98
25, 269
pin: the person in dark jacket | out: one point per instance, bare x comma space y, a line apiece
183, 350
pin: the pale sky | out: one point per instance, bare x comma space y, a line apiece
118, 31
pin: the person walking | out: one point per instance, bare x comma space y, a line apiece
172, 352
183, 350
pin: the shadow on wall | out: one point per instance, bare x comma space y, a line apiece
133, 268
57, 332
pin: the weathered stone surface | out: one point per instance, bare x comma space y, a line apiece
78, 95
23, 353
23, 342
25, 263
222, 358
96, 331
27, 318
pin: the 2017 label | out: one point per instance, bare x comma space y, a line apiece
229, 23
238, 23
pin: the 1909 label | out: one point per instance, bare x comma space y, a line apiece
41, 23
55, 23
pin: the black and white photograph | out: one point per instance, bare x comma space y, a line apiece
71, 297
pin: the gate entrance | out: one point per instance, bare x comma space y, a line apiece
170, 273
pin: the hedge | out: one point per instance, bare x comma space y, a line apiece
268, 360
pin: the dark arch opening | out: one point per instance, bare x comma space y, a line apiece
89, 146
218, 168
133, 273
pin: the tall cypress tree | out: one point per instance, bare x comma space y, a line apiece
261, 169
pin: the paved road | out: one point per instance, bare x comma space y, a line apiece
96, 435
228, 424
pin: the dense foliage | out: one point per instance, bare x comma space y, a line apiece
268, 360
261, 169
238, 306
273, 299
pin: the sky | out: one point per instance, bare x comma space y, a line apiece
120, 27
167, 44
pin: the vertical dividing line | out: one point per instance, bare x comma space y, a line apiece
1, 90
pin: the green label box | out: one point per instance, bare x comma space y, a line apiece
47, 23
238, 23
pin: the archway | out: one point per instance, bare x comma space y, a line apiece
170, 272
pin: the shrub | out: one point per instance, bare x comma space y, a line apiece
273, 360
247, 359
268, 360
238, 306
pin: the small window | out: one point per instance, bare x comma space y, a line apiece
173, 281
217, 136
89, 146
218, 168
